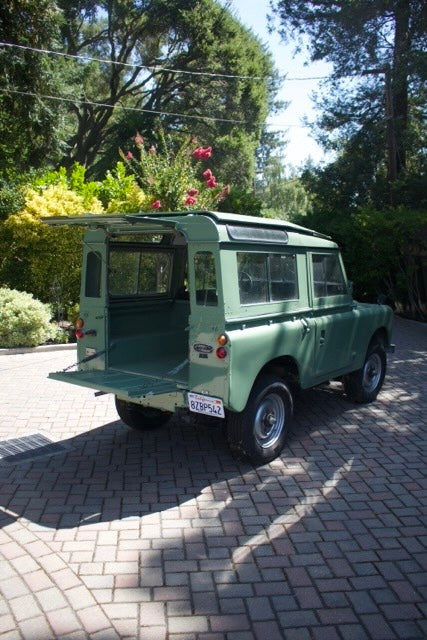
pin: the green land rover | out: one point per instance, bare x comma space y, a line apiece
221, 315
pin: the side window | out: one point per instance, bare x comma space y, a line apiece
139, 272
205, 274
93, 275
267, 277
283, 277
328, 278
252, 273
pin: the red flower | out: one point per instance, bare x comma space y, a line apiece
139, 140
211, 183
156, 204
189, 200
192, 192
202, 154
207, 174
129, 155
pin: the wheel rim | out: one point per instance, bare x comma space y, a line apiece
372, 372
269, 420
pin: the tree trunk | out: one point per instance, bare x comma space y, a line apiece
399, 82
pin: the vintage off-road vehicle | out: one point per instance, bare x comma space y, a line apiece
221, 315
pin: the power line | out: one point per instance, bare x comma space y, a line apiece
127, 64
141, 110
151, 68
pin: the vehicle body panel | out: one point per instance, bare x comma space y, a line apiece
213, 274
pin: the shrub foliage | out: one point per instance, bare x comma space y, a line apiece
24, 321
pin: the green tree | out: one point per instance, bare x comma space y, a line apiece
374, 100
29, 125
284, 196
156, 52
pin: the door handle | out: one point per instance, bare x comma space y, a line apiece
322, 337
305, 325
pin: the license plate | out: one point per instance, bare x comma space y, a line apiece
205, 405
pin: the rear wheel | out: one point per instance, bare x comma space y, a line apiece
258, 433
364, 385
139, 417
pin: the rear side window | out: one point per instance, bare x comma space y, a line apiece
139, 272
205, 274
328, 278
93, 275
265, 277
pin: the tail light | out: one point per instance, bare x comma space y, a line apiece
79, 323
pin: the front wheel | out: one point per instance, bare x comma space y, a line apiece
139, 417
364, 385
258, 433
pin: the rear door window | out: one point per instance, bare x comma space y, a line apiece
140, 272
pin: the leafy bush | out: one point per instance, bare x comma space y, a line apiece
45, 260
25, 321
11, 197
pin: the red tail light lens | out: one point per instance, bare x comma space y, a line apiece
221, 353
79, 334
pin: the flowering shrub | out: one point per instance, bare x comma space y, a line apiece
41, 259
174, 181
25, 321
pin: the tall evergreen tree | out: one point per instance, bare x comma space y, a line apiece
375, 98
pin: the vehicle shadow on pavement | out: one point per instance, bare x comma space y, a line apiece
113, 472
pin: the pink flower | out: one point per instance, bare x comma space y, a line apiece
207, 174
192, 192
139, 140
156, 204
211, 183
202, 154
152, 150
129, 155
189, 200
225, 192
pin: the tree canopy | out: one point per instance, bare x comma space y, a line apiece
121, 65
29, 126
373, 103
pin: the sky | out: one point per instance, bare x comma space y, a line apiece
301, 146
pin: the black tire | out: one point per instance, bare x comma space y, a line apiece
364, 385
139, 417
259, 432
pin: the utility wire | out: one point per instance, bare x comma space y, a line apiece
150, 68
141, 110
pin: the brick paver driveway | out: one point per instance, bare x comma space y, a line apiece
119, 534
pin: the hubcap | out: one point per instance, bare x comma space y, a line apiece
372, 372
269, 420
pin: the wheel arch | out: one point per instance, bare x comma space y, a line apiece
285, 367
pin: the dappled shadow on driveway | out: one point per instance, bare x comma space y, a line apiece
112, 472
